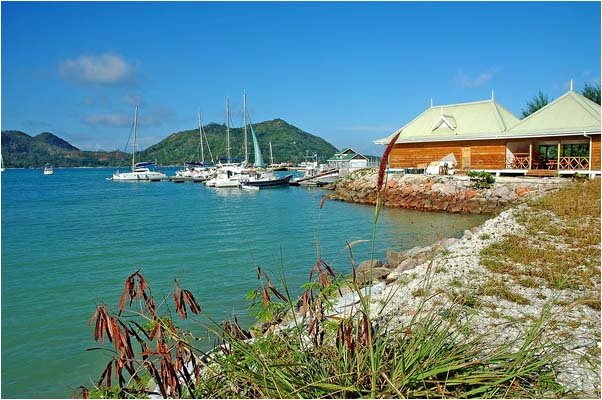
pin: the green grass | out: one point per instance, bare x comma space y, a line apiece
498, 288
560, 245
428, 357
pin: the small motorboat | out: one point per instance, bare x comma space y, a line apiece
48, 170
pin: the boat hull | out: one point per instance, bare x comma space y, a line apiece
227, 184
270, 182
150, 176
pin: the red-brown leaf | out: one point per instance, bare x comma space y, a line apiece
324, 198
192, 303
182, 310
328, 268
273, 289
266, 296
106, 375
384, 161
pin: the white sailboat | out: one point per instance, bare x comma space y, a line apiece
199, 170
141, 171
228, 174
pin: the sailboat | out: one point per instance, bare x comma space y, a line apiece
141, 171
267, 178
199, 170
1, 163
228, 174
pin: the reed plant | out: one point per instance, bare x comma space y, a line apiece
316, 354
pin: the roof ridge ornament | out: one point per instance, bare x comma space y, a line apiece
431, 102
571, 87
492, 95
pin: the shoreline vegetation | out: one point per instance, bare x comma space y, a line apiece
512, 309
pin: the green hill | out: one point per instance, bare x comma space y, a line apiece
52, 140
19, 150
289, 143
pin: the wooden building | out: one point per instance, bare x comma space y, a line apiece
560, 138
347, 161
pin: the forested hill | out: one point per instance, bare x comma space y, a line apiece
289, 143
19, 150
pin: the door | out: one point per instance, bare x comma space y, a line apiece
465, 158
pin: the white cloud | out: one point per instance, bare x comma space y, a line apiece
104, 69
108, 120
479, 80
132, 99
115, 120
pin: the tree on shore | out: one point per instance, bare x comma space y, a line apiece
537, 102
592, 92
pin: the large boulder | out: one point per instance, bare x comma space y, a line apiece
501, 192
365, 266
366, 276
394, 258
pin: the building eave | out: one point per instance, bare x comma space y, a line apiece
496, 137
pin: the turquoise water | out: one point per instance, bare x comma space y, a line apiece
70, 239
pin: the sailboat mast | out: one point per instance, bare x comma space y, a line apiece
271, 155
207, 142
201, 140
244, 119
228, 129
134, 142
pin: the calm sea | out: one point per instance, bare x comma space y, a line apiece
70, 239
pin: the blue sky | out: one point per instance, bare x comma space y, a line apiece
349, 72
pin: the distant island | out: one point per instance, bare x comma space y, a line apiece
19, 150
289, 144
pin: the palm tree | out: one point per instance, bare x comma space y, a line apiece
592, 92
537, 102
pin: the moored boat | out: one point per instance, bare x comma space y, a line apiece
141, 171
48, 169
199, 171
267, 179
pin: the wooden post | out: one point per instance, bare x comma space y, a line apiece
530, 154
558, 161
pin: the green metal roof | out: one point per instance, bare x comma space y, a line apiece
481, 119
345, 155
569, 113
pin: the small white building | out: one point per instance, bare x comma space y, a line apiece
348, 161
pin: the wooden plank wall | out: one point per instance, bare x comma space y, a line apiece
596, 152
484, 154
488, 154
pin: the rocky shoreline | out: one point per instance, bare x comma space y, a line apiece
453, 194
451, 269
